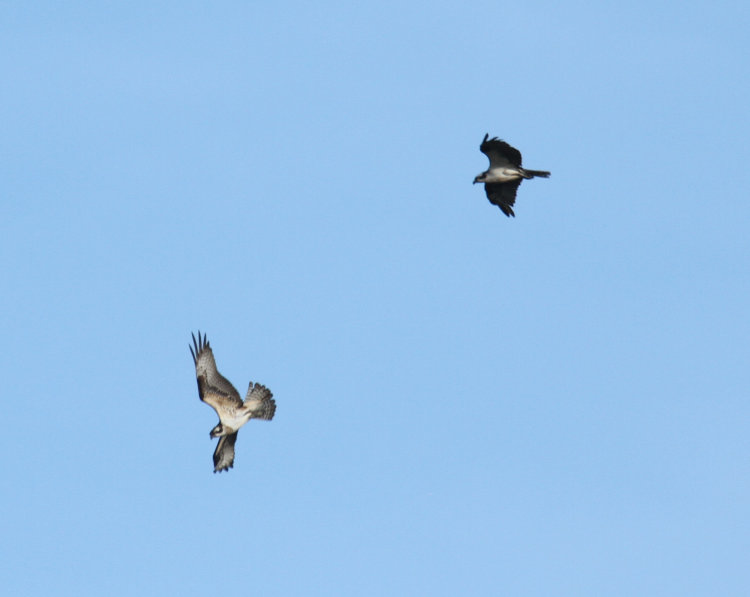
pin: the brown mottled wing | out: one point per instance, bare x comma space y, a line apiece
503, 194
259, 400
224, 453
213, 388
499, 152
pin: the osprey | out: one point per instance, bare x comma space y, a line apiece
216, 391
505, 173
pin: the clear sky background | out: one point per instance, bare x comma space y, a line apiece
556, 404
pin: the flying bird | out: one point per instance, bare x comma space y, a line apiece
215, 390
505, 173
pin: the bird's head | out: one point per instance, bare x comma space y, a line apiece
217, 431
480, 177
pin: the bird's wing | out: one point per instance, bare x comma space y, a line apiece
213, 388
224, 453
259, 400
503, 194
499, 152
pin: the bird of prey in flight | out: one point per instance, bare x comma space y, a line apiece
505, 173
216, 391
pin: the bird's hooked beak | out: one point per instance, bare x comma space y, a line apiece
476, 180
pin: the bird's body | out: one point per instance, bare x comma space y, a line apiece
502, 178
216, 390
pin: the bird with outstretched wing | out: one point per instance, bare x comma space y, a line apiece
215, 390
503, 177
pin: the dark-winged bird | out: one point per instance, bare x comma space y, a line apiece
505, 173
216, 391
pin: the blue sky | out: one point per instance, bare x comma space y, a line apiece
555, 404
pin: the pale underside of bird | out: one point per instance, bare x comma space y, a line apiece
502, 178
215, 390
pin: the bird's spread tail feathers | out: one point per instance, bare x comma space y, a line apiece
259, 400
534, 173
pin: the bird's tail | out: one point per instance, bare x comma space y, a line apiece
260, 402
534, 173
